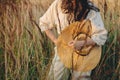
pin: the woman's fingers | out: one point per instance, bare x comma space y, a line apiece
71, 43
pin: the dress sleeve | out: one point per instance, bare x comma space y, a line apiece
99, 33
47, 21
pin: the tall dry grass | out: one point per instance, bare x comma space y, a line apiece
26, 53
24, 49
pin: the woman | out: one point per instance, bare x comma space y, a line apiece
62, 13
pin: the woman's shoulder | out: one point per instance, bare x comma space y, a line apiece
92, 14
95, 18
57, 1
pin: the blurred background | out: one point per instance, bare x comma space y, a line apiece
26, 52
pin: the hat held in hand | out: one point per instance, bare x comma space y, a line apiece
85, 59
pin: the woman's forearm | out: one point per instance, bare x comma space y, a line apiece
50, 34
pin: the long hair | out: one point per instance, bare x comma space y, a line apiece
80, 8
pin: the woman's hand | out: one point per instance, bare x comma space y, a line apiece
71, 43
79, 44
55, 41
76, 44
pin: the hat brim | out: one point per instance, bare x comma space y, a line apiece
73, 60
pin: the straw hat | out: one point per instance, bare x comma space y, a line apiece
88, 57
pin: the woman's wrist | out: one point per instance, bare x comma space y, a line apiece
55, 41
89, 42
